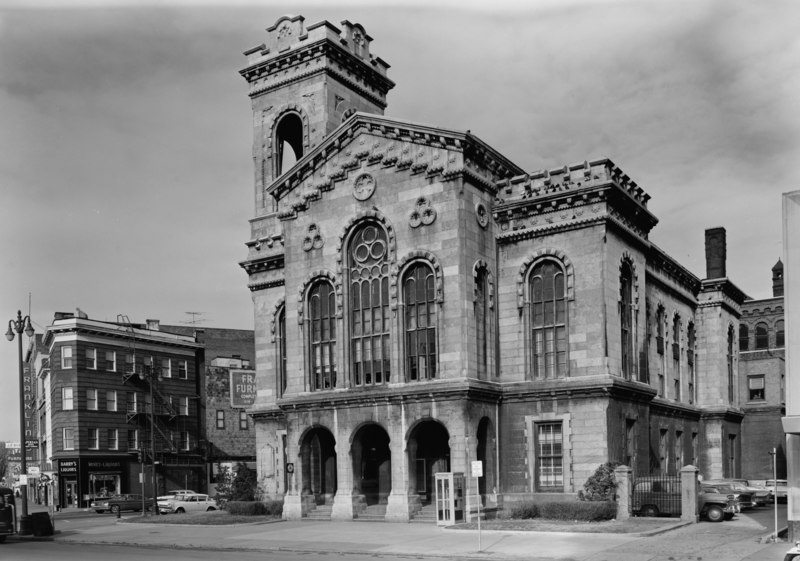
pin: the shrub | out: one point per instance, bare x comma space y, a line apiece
255, 508
525, 510
601, 486
593, 511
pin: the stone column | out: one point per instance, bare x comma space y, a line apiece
343, 508
689, 489
624, 478
398, 506
293, 501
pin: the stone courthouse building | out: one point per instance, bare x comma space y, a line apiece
422, 302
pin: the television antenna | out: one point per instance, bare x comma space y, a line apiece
194, 320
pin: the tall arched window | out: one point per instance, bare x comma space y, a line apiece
744, 337
280, 344
626, 318
779, 333
288, 142
548, 320
660, 320
762, 336
369, 305
419, 298
690, 349
676, 356
322, 335
481, 322
730, 366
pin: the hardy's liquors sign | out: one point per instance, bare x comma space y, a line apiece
243, 388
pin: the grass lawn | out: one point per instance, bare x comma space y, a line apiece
213, 518
630, 526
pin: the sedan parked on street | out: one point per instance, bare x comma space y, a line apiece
117, 503
189, 502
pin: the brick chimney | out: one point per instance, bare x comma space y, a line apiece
716, 253
777, 279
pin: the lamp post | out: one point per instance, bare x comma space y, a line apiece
149, 376
19, 325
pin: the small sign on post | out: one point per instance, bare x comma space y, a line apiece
477, 473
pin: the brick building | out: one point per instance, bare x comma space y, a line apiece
421, 302
113, 394
762, 369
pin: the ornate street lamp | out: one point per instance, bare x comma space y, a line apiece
18, 326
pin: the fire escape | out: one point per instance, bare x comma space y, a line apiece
151, 410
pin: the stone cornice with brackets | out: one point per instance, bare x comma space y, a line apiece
730, 296
269, 74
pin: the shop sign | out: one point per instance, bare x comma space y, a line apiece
243, 388
67, 467
104, 465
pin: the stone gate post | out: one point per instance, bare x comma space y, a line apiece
624, 478
689, 490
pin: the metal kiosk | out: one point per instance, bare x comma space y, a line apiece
449, 498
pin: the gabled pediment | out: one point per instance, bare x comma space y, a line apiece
393, 146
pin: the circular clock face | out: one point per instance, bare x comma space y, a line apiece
363, 187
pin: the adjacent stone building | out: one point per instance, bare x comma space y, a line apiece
422, 303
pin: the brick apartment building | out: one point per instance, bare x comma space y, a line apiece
421, 302
762, 369
112, 395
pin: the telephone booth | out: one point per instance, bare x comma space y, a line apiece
449, 498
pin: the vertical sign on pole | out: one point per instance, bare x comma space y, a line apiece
477, 473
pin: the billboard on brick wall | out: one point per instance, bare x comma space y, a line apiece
243, 388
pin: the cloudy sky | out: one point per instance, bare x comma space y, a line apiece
125, 169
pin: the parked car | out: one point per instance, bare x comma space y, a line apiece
743, 496
794, 553
118, 503
659, 495
174, 493
779, 491
760, 495
188, 502
6, 513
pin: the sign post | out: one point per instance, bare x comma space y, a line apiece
477, 473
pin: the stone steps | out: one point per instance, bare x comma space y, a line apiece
321, 512
373, 513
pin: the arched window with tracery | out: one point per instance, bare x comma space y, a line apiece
762, 336
626, 318
368, 263
288, 142
548, 319
280, 347
322, 335
419, 300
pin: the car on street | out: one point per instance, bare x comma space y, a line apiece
661, 496
173, 494
760, 495
188, 502
743, 496
779, 491
118, 503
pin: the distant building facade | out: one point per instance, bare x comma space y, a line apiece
762, 367
422, 303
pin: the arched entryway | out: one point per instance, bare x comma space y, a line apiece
487, 453
428, 453
372, 464
318, 462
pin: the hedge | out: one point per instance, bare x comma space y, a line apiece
254, 508
593, 511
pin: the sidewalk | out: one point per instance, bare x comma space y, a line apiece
731, 541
